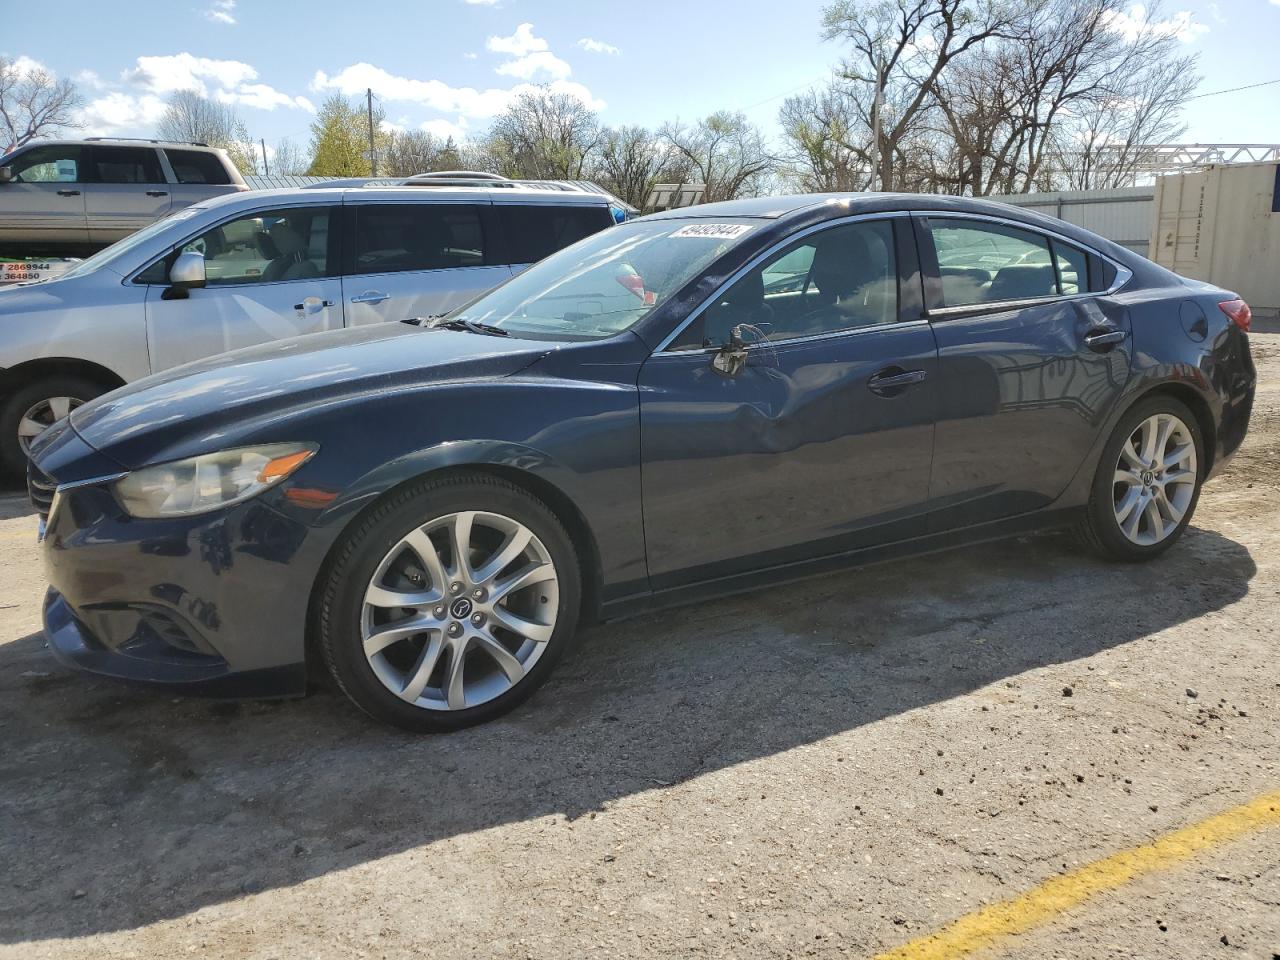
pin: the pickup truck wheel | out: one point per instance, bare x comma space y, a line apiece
32, 409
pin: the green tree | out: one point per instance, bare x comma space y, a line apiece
340, 139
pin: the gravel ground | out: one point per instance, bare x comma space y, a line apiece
830, 770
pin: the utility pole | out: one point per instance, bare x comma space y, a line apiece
373, 153
266, 170
875, 125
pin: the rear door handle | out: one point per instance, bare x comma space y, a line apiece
157, 193
890, 381
68, 193
371, 296
1103, 340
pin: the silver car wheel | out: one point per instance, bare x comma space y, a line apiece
1155, 479
460, 610
41, 416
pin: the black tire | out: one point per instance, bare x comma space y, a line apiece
1099, 530
13, 460
361, 550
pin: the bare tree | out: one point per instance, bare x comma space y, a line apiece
827, 143
543, 135
289, 160
33, 103
410, 151
907, 43
723, 151
629, 162
193, 117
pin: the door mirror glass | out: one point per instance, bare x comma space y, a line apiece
6, 174
187, 273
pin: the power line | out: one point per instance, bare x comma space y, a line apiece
1252, 86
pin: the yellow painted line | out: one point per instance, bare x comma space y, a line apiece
986, 926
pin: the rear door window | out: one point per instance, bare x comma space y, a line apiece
127, 165
1072, 264
981, 262
399, 237
195, 166
533, 232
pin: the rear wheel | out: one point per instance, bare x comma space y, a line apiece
1148, 482
450, 603
32, 409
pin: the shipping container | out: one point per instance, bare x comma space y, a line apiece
1222, 224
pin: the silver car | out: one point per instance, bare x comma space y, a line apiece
260, 266
73, 197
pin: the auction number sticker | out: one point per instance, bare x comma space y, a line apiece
714, 231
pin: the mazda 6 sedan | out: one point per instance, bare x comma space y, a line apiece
694, 402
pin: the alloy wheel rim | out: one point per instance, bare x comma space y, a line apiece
40, 416
459, 610
1155, 479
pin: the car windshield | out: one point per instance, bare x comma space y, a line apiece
128, 243
608, 282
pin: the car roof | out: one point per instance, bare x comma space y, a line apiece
401, 194
841, 204
122, 142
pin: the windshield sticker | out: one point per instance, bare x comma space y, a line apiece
713, 231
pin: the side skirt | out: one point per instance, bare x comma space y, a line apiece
1040, 521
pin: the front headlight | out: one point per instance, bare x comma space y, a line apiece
210, 481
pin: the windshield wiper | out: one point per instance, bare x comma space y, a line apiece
471, 326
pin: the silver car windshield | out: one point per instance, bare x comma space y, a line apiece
122, 247
608, 282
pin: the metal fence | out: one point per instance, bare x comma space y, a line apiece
1123, 215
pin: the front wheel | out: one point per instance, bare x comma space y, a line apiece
450, 603
1148, 482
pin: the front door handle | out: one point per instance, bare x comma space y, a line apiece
1102, 339
68, 193
371, 296
312, 304
891, 381
157, 193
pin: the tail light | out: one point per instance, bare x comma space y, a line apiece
1238, 311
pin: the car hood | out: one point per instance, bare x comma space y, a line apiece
207, 405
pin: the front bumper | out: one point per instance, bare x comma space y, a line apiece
214, 604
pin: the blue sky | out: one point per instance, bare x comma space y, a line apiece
451, 64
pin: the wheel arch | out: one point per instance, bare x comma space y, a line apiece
29, 371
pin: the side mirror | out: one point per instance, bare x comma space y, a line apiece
186, 274
731, 358
6, 174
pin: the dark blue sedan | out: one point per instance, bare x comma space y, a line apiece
696, 402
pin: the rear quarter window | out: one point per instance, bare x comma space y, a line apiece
535, 231
195, 166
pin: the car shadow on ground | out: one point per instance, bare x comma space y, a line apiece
120, 807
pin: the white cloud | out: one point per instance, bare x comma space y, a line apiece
526, 68
519, 44
182, 71
599, 46
472, 56
25, 65
1134, 22
121, 111
88, 78
222, 11
263, 97
435, 94
444, 129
